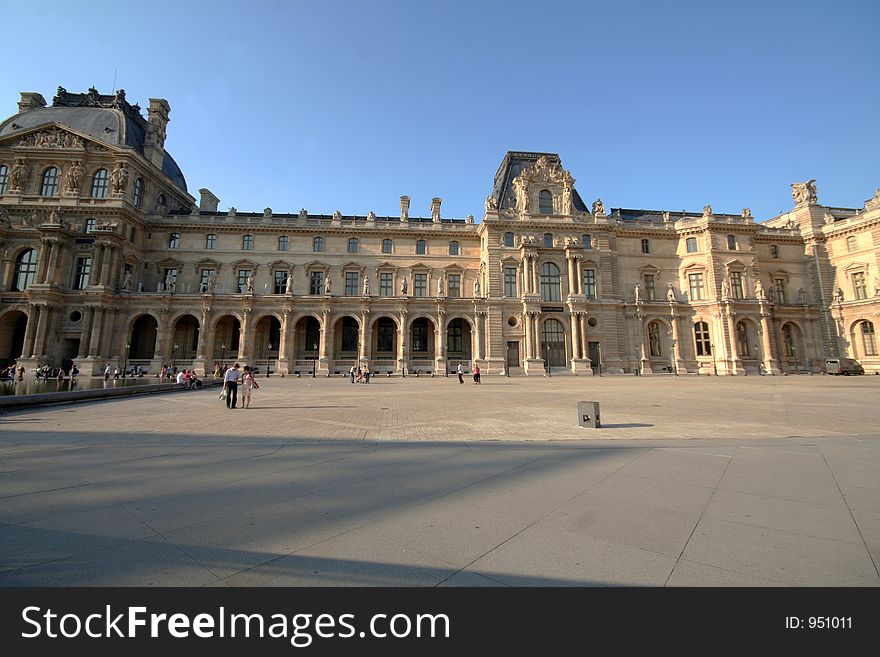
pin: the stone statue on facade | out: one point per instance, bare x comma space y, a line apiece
249, 284
441, 285
707, 211
4, 220
328, 284
119, 179
169, 282
404, 286
567, 207
74, 177
337, 215
18, 176
876, 287
212, 284
667, 216
404, 208
771, 294
637, 293
522, 194
804, 193
371, 216
747, 213
838, 296
126, 281
288, 284
366, 285
759, 290
303, 213
725, 289
469, 219
670, 293
802, 296
435, 210
598, 207
477, 288
491, 203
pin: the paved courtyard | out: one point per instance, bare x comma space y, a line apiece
693, 481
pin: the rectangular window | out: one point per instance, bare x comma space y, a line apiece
316, 282
454, 290
701, 338
420, 285
859, 287
83, 273
351, 283
779, 285
774, 251
696, 285
203, 279
649, 287
386, 284
587, 241
280, 282
211, 242
691, 243
283, 243
731, 242
736, 285
646, 246
851, 243
243, 275
247, 243
510, 281
590, 283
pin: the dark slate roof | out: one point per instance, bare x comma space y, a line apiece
511, 165
108, 119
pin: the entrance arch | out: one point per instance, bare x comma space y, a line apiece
384, 343
13, 326
792, 346
143, 340
458, 343
553, 343
267, 340
421, 344
346, 342
306, 341
184, 340
227, 332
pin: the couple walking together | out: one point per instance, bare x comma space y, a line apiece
234, 377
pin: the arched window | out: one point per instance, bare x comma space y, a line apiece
138, 192
318, 244
421, 247
283, 242
545, 202
587, 241
352, 244
4, 178
211, 242
868, 338
742, 340
453, 248
701, 338
161, 201
247, 243
419, 341
99, 184
654, 339
548, 240
553, 343
25, 269
788, 342
387, 246
49, 184
691, 244
90, 225
386, 331
508, 239
550, 289
174, 241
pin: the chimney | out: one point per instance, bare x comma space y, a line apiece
30, 100
157, 123
208, 202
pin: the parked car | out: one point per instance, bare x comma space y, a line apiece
845, 366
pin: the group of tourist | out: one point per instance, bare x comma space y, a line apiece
12, 373
475, 372
234, 377
359, 375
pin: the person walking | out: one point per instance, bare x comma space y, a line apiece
476, 374
460, 373
217, 372
248, 383
351, 373
230, 382
107, 372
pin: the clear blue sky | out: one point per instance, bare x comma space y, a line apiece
347, 105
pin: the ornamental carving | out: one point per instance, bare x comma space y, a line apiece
119, 178
874, 202
804, 193
74, 176
598, 207
52, 138
18, 177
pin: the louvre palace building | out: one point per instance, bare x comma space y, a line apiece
107, 257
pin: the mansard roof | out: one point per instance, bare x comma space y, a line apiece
511, 165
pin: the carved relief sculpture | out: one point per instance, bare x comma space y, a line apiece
747, 213
598, 207
249, 283
441, 285
126, 281
328, 285
119, 179
404, 286
725, 289
707, 211
366, 285
759, 290
18, 177
670, 293
804, 193
73, 179
435, 210
491, 203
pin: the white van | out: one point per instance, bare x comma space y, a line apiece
845, 366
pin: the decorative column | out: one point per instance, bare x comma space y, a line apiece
199, 364
580, 275
440, 342
85, 332
676, 341
163, 339
43, 260
401, 342
324, 343
585, 346
34, 311
365, 335
50, 268
575, 338
644, 362
244, 331
97, 263
283, 361
572, 284
478, 337
527, 333
734, 364
97, 329
535, 283
770, 364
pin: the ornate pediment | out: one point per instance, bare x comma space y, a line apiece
55, 137
548, 171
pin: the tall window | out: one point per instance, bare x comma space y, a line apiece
420, 335
736, 285
545, 202
454, 336
90, 225
788, 343
318, 244
161, 201
387, 246
691, 243
868, 338
587, 241
421, 247
247, 243
420, 285
4, 178
316, 282
138, 198
774, 251
204, 278
731, 242
99, 184
548, 240
353, 245
779, 285
49, 184
654, 338
649, 287
590, 283
83, 272
454, 290
701, 337
283, 242
211, 242
351, 283
385, 330
696, 284
859, 287
550, 288
25, 270
243, 275
174, 241
350, 335
851, 243
386, 284
280, 282
742, 339
508, 239
453, 248
646, 246
510, 281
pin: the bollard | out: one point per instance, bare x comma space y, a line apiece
588, 414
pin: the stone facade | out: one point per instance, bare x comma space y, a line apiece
106, 258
